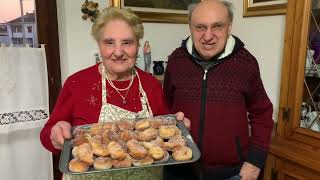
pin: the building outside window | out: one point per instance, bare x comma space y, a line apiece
18, 24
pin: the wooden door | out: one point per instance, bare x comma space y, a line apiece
46, 11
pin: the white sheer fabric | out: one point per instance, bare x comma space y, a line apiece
23, 112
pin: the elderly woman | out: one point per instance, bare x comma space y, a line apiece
109, 91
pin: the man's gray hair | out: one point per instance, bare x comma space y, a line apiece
227, 4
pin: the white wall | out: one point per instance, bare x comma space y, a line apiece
77, 46
263, 36
76, 43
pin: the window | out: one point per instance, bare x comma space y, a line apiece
17, 29
29, 41
3, 28
29, 28
17, 40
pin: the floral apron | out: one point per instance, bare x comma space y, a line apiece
111, 112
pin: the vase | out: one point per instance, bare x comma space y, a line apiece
158, 67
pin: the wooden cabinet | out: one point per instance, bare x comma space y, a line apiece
295, 148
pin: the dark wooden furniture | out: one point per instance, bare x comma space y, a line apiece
47, 23
295, 150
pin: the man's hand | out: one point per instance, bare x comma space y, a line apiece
186, 121
249, 171
59, 132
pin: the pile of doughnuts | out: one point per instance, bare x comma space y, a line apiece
125, 143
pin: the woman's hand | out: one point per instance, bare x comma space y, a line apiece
59, 132
186, 121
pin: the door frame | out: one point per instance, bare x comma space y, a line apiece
47, 23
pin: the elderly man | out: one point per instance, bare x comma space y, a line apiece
216, 82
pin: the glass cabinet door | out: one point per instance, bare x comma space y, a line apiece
294, 150
310, 106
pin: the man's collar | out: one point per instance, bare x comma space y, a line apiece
227, 50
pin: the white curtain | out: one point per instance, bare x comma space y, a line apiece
23, 112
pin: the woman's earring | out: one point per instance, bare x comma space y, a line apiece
97, 58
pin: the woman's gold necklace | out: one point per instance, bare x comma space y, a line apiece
124, 101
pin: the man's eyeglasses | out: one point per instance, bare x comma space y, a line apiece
215, 28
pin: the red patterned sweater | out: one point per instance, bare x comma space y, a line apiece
79, 101
221, 104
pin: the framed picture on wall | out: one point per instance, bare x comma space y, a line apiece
264, 7
166, 11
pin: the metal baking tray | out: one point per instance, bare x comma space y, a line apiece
66, 154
